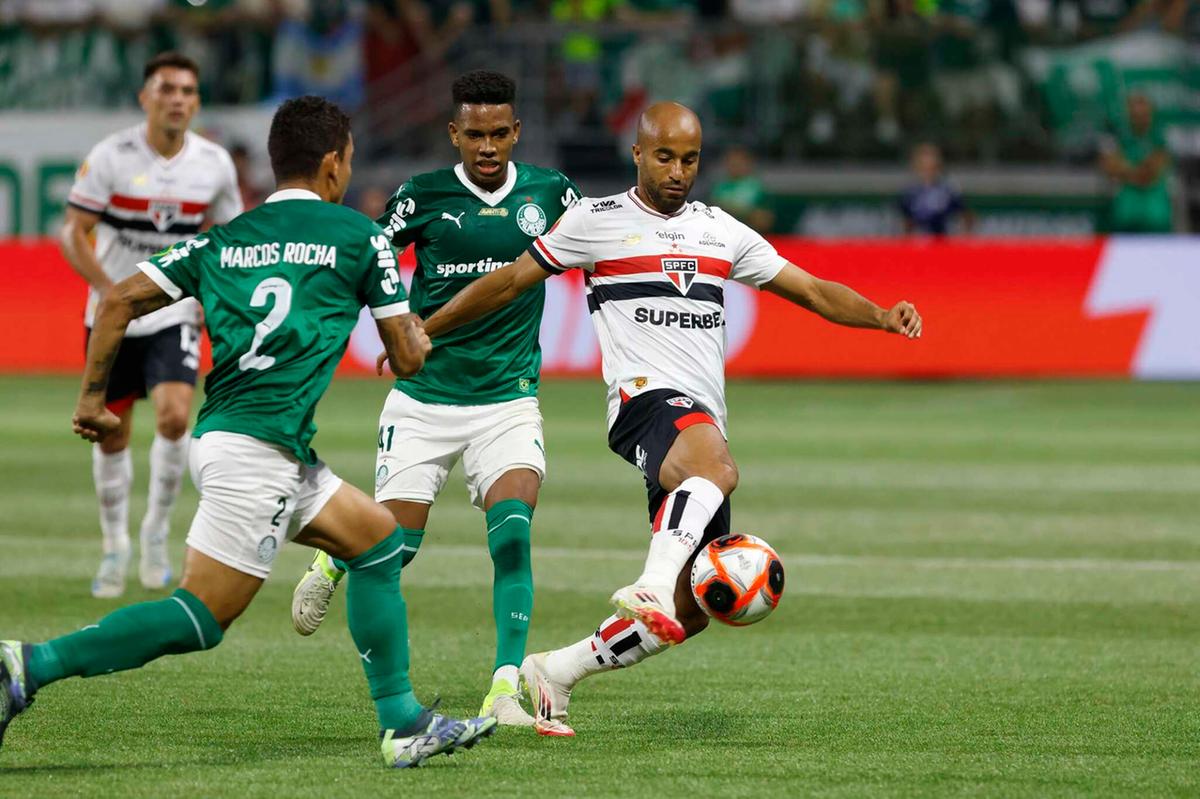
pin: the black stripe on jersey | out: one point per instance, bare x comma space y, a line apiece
609, 292
146, 225
543, 263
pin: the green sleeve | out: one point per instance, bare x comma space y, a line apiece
569, 194
381, 289
404, 217
178, 269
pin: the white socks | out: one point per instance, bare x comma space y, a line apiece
616, 644
113, 476
168, 459
509, 674
678, 530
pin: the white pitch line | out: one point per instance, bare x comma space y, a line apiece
637, 554
900, 562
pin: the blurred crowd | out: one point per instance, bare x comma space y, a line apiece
985, 81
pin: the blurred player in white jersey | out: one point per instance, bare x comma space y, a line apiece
141, 190
655, 267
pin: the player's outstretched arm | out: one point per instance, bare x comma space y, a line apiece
487, 294
842, 304
405, 342
133, 297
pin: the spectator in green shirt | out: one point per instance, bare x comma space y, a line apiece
1137, 161
741, 192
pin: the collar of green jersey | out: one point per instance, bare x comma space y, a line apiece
492, 198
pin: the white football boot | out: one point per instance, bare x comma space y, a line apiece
154, 567
548, 696
310, 599
109, 582
653, 606
503, 703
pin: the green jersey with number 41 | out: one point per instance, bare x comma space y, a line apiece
461, 233
281, 286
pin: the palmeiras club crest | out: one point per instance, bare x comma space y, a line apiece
163, 214
682, 272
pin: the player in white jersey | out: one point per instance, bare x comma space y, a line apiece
141, 190
655, 266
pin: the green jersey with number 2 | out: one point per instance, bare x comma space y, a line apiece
282, 286
461, 233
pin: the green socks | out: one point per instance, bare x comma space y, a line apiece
379, 626
128, 638
412, 543
512, 584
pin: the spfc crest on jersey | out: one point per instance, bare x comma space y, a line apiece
682, 272
163, 214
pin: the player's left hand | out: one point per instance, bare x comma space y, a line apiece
94, 423
904, 319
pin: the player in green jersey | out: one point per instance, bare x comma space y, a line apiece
281, 287
476, 398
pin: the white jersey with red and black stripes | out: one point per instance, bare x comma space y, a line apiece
655, 290
147, 202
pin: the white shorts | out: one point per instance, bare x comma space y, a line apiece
419, 443
253, 497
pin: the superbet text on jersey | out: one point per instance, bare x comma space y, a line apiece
147, 203
655, 290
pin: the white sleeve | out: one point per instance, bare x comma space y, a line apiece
755, 261
567, 244
93, 182
228, 202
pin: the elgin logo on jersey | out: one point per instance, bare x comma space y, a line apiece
681, 271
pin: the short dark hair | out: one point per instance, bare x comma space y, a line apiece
483, 87
170, 58
303, 131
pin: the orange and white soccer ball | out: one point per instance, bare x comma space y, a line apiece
737, 579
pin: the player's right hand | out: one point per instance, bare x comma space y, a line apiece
903, 318
94, 424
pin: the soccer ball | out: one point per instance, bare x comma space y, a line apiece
737, 579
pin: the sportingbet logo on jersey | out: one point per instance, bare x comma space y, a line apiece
163, 214
682, 272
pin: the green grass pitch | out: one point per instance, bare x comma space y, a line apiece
994, 589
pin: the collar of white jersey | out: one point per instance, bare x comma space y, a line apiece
144, 137
633, 195
293, 194
492, 198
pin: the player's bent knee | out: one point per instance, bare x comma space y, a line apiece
511, 555
727, 477
173, 424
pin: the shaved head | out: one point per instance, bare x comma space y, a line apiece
667, 120
667, 155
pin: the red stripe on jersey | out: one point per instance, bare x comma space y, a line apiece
79, 199
643, 264
550, 257
613, 629
128, 203
684, 422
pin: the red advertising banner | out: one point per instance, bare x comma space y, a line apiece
1118, 307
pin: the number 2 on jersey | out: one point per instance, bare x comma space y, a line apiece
278, 288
